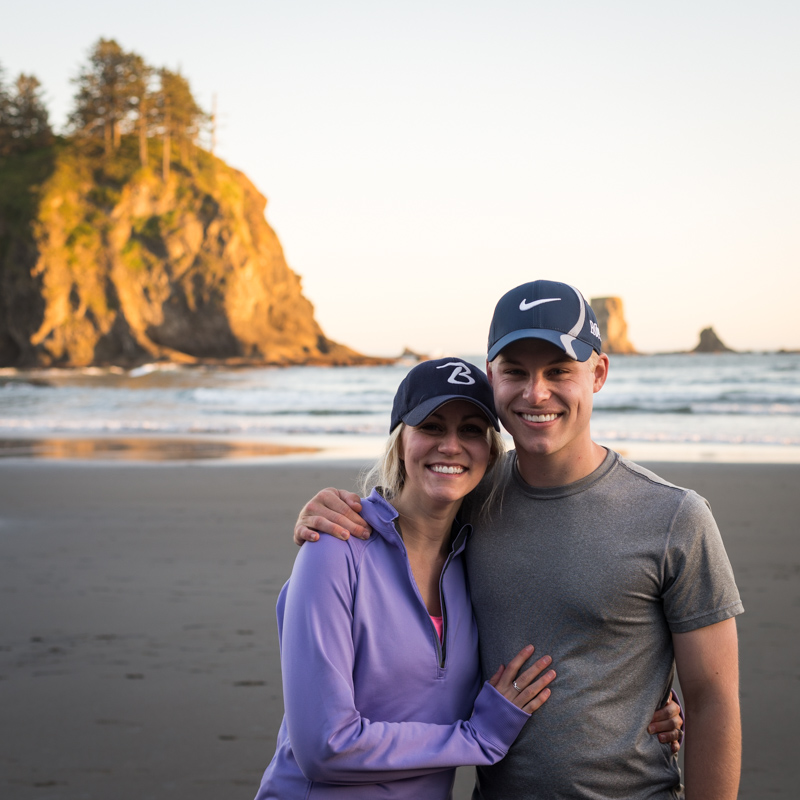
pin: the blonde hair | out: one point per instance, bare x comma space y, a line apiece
389, 472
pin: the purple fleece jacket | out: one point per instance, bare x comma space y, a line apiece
375, 705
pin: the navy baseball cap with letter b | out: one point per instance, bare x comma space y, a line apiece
433, 383
548, 310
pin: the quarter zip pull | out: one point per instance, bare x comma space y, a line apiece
440, 644
443, 649
458, 543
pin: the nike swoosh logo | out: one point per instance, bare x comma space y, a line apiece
523, 306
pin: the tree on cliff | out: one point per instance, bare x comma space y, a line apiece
111, 88
4, 101
24, 122
116, 96
178, 116
143, 96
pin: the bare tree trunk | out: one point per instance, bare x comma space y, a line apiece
107, 135
143, 133
213, 123
142, 144
167, 149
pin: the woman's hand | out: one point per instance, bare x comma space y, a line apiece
526, 690
667, 723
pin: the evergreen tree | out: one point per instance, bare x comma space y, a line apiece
24, 122
5, 113
29, 117
145, 103
109, 92
179, 116
115, 96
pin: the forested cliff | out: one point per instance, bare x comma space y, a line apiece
125, 241
103, 262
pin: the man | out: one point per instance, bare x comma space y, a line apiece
617, 574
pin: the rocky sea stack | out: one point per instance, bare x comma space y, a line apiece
711, 343
613, 327
104, 262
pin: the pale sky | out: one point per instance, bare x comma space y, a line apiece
422, 158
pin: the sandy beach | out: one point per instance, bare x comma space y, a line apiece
139, 654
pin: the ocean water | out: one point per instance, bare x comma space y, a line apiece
727, 407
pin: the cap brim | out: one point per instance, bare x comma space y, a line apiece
425, 409
582, 351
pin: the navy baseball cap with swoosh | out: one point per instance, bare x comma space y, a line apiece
555, 312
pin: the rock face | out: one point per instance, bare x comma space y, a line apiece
613, 328
711, 343
103, 263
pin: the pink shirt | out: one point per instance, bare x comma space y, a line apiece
438, 623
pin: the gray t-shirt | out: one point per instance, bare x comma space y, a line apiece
598, 574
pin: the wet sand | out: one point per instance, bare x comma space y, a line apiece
139, 655
142, 448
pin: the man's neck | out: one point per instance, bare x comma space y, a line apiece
544, 471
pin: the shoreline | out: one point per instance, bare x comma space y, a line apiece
154, 448
360, 359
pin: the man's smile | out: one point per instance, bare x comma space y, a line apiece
538, 417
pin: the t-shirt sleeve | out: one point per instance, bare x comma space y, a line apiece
699, 588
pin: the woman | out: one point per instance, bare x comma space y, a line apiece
379, 651
373, 692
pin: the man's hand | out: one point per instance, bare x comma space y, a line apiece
331, 511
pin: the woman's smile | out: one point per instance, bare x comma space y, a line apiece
447, 469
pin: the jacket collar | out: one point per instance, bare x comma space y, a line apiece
381, 515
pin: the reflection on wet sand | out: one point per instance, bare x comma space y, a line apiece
142, 449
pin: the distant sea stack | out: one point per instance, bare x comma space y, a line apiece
103, 262
711, 343
613, 328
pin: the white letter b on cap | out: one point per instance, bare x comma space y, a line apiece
460, 374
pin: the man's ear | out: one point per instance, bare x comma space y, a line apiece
489, 371
600, 372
